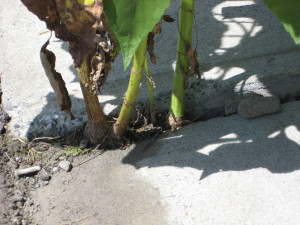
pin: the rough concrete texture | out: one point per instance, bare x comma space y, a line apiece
222, 171
256, 107
242, 48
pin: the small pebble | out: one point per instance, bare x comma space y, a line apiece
54, 169
44, 175
65, 165
20, 204
62, 158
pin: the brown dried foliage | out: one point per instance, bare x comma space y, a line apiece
74, 23
83, 27
156, 30
55, 79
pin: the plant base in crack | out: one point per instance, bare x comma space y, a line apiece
186, 63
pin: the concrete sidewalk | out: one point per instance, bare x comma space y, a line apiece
242, 48
227, 170
222, 171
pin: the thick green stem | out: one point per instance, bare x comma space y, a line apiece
150, 91
97, 126
132, 90
177, 108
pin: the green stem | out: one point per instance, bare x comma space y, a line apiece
132, 90
150, 91
177, 107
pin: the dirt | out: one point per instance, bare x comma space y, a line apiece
17, 206
16, 193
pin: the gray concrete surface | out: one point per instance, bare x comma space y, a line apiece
222, 171
242, 48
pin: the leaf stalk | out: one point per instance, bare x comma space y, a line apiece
132, 91
177, 108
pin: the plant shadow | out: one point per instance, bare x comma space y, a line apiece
252, 51
216, 146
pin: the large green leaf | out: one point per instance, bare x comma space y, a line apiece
288, 11
132, 20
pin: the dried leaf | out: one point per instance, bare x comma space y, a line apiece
71, 21
150, 42
193, 62
57, 83
156, 30
168, 18
100, 67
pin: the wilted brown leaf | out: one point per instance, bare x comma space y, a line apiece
168, 18
150, 42
100, 68
156, 30
71, 22
57, 83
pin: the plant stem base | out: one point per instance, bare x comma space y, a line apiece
97, 126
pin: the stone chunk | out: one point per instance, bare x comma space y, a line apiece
44, 175
65, 165
230, 107
256, 107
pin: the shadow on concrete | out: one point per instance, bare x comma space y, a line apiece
53, 122
250, 143
217, 146
185, 148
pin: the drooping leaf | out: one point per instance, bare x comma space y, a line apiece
57, 83
288, 11
132, 20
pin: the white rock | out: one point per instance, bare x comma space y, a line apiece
65, 165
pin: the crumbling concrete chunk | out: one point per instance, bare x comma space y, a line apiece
230, 107
256, 107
